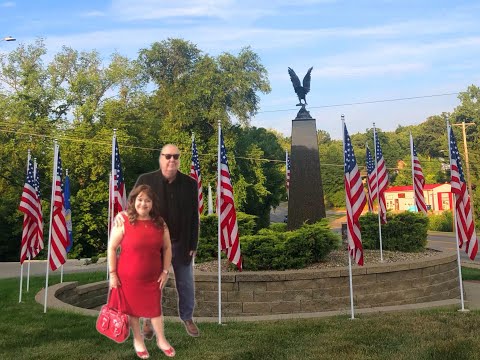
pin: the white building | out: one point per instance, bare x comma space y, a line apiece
438, 197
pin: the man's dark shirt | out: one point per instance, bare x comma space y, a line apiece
179, 208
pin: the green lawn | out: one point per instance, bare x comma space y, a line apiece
470, 273
28, 333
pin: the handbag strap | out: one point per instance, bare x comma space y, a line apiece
120, 299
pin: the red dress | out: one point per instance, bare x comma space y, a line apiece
139, 266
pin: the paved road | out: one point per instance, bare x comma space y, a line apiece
446, 241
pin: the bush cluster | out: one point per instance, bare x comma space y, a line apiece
405, 232
441, 222
272, 248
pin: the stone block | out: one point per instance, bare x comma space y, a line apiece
239, 296
312, 274
252, 286
268, 296
300, 284
260, 276
259, 308
277, 286
297, 295
382, 268
399, 275
286, 307
213, 286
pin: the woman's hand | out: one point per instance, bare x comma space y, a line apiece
162, 280
114, 281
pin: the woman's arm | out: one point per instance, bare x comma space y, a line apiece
116, 238
167, 257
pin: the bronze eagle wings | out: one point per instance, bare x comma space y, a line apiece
301, 89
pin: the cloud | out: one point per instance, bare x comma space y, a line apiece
7, 4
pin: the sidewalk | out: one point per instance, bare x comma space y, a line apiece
39, 268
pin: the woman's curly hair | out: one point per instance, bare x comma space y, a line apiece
154, 212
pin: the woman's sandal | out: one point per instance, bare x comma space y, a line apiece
170, 352
142, 354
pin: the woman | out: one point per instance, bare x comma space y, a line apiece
141, 269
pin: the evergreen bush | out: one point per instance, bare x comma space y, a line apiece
406, 231
274, 248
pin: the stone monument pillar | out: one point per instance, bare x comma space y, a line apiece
305, 203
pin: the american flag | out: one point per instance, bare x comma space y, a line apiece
371, 180
119, 193
382, 180
465, 225
418, 180
38, 245
59, 234
287, 174
32, 233
195, 173
355, 198
229, 238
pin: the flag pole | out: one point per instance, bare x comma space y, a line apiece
30, 253
108, 215
218, 224
54, 179
348, 247
413, 171
378, 193
111, 191
455, 229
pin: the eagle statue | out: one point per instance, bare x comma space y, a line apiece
299, 89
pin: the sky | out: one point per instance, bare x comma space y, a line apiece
385, 62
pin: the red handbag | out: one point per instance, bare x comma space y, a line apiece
112, 322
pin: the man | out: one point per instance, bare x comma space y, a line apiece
178, 195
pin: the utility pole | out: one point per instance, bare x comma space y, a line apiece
469, 183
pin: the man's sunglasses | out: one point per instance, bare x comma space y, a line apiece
169, 156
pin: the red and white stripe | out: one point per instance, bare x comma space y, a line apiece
355, 200
371, 180
418, 180
382, 179
229, 236
197, 175
59, 233
465, 226
32, 233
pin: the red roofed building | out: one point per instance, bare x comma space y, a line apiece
438, 197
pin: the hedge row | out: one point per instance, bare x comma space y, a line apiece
273, 248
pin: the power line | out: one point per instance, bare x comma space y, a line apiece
367, 102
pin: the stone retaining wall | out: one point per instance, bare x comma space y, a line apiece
301, 291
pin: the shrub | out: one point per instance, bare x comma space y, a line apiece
275, 248
441, 222
405, 232
278, 227
208, 241
262, 252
